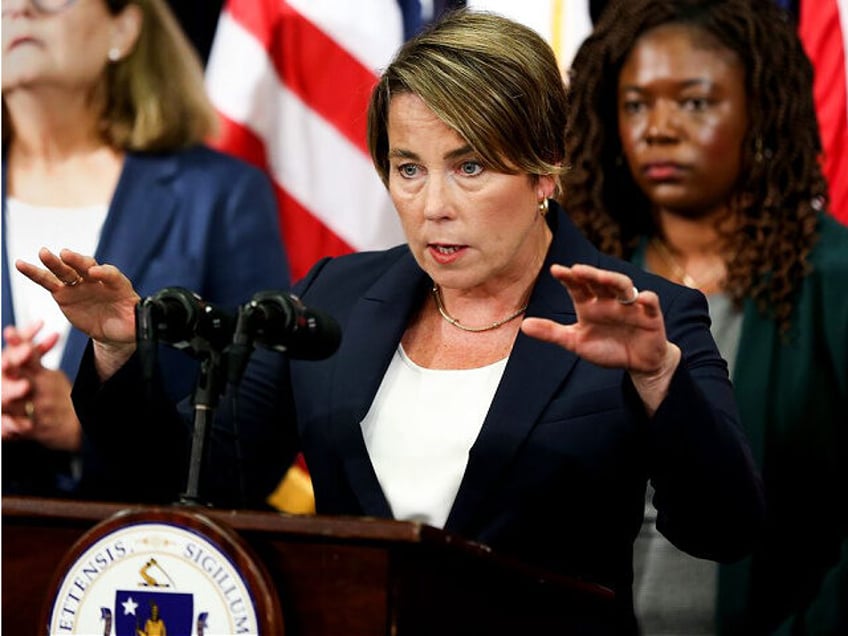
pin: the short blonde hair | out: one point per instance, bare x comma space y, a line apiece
155, 98
492, 80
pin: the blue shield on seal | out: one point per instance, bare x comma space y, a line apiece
140, 612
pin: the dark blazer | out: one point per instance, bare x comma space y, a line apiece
557, 475
197, 219
792, 391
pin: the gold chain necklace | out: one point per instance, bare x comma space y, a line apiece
680, 272
437, 295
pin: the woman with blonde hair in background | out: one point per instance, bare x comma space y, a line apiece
104, 118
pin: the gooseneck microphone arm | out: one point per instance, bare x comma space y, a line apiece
210, 383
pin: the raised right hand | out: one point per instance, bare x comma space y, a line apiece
96, 299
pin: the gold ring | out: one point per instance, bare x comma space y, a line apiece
29, 408
73, 283
632, 299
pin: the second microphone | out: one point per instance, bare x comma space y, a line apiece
280, 321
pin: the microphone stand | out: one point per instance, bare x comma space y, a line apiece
182, 319
209, 387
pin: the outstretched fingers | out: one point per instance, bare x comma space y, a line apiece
650, 304
76, 267
592, 289
66, 270
549, 331
586, 283
109, 276
43, 277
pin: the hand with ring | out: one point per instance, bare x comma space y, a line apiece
629, 300
103, 307
617, 326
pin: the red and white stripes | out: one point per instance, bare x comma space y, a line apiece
823, 27
291, 80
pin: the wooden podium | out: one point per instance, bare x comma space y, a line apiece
333, 576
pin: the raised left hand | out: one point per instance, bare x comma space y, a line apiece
617, 326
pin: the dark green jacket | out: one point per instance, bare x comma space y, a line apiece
792, 392
793, 401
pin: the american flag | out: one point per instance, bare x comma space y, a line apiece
823, 27
291, 81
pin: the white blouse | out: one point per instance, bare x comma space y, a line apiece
420, 429
28, 229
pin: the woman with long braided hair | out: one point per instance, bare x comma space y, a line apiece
694, 152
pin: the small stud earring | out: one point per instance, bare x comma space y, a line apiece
114, 54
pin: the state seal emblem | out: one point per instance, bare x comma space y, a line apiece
162, 572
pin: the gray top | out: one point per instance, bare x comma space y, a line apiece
675, 593
726, 327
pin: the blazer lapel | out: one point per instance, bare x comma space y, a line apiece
752, 385
518, 403
389, 303
6, 308
752, 376
140, 214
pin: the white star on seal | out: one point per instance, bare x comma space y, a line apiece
129, 606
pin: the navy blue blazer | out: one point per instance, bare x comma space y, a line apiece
198, 219
557, 475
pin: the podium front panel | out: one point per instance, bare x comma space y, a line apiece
332, 576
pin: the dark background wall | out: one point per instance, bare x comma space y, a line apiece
199, 18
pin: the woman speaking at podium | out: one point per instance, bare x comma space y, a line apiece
497, 376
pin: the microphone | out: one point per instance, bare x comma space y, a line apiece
181, 318
280, 321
